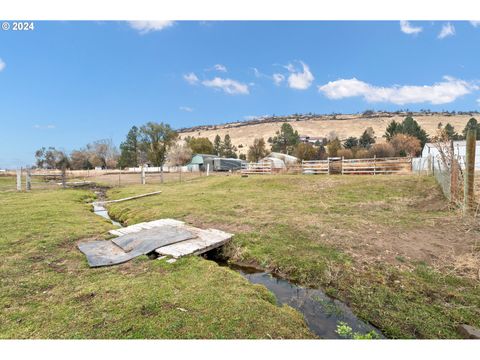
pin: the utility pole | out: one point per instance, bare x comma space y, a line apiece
468, 194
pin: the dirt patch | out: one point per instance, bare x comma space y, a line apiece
228, 227
447, 245
85, 297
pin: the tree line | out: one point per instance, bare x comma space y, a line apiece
157, 143
148, 143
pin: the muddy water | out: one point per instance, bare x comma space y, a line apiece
322, 313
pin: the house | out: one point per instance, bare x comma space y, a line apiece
459, 148
311, 139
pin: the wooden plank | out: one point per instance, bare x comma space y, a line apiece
206, 240
127, 198
145, 225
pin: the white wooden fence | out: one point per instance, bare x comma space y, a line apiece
371, 166
315, 166
261, 168
377, 166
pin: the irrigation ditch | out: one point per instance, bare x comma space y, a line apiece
322, 313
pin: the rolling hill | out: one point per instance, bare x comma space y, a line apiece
243, 133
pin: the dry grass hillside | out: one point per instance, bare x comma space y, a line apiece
243, 133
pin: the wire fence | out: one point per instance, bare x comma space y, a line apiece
34, 180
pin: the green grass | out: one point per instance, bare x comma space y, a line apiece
47, 289
280, 223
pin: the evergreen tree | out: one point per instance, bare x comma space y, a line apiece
130, 149
229, 150
366, 139
218, 146
451, 133
411, 127
408, 127
350, 142
472, 124
285, 140
392, 129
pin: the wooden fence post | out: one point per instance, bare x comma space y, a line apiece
453, 175
343, 158
28, 181
208, 169
19, 179
328, 164
143, 175
374, 164
469, 198
64, 177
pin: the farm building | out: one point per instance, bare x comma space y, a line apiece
287, 159
227, 164
202, 160
431, 150
215, 163
279, 161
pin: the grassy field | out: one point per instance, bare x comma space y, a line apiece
386, 245
48, 291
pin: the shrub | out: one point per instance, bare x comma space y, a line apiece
405, 145
381, 150
333, 147
346, 153
362, 154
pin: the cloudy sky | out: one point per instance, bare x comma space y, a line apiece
68, 83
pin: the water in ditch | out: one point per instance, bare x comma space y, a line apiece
322, 313
102, 211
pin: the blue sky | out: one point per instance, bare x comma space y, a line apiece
65, 84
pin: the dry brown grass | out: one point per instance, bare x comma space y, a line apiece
354, 125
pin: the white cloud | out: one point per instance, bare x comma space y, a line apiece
144, 27
442, 92
478, 101
447, 30
220, 67
2, 64
229, 86
191, 78
407, 28
49, 126
278, 79
186, 108
300, 80
475, 23
257, 73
